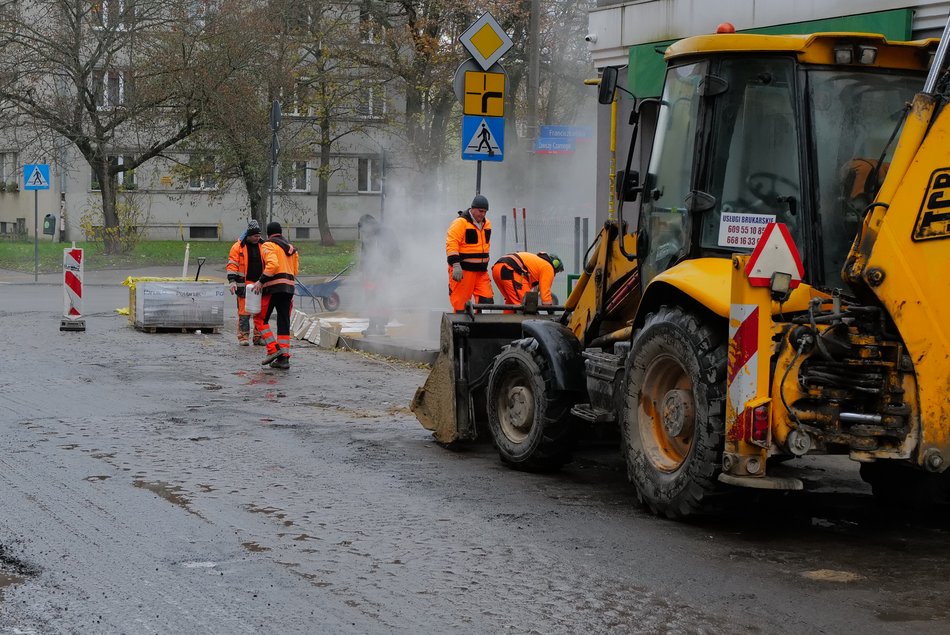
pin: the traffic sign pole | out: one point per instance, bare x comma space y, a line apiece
478, 178
36, 235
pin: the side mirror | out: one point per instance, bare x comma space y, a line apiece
608, 85
627, 190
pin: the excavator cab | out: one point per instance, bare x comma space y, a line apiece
751, 137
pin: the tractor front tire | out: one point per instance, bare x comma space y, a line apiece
529, 419
674, 411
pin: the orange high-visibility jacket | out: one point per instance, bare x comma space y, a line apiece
239, 263
537, 273
468, 245
281, 263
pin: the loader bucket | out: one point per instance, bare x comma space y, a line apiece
451, 403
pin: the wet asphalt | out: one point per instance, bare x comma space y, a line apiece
165, 483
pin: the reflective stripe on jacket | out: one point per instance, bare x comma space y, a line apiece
467, 244
281, 263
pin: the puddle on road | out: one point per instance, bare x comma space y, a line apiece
9, 580
171, 493
258, 377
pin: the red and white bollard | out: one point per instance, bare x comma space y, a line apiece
72, 291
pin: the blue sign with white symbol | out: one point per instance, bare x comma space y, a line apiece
483, 138
36, 176
547, 145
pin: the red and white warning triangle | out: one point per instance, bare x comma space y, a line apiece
775, 253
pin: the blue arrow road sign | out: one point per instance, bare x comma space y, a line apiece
483, 138
36, 176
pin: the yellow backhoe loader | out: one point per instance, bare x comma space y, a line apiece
786, 291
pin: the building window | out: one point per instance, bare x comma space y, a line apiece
369, 175
202, 172
125, 180
297, 104
108, 86
371, 31
203, 232
111, 13
9, 168
296, 178
302, 233
372, 104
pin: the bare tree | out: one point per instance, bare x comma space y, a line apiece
343, 95
112, 74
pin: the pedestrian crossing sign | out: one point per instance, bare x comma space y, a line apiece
36, 176
483, 138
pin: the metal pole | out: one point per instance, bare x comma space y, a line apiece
478, 178
36, 235
586, 242
273, 177
577, 244
524, 225
504, 234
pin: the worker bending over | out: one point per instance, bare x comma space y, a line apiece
516, 274
281, 263
466, 250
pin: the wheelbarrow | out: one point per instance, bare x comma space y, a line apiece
323, 292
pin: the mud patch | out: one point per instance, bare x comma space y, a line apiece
12, 570
171, 493
832, 575
254, 547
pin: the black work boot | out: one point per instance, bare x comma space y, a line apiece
281, 362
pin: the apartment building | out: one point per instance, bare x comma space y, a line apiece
170, 200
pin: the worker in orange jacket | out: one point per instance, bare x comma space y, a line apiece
466, 249
516, 274
245, 264
281, 263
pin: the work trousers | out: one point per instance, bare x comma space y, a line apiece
283, 303
473, 283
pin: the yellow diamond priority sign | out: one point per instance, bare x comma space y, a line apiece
486, 41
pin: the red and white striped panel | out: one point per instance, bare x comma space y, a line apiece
743, 370
72, 283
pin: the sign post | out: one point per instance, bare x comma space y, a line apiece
36, 178
483, 93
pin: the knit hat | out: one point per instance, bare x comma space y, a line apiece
274, 227
253, 227
480, 202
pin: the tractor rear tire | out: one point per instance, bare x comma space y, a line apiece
674, 412
529, 419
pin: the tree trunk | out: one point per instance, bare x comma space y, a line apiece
326, 238
111, 227
256, 195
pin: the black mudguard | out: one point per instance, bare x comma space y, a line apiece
561, 350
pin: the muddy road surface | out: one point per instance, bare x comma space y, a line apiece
154, 483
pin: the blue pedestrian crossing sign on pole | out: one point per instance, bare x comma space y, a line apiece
483, 138
36, 176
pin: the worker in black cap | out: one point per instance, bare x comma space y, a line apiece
277, 282
245, 265
466, 250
